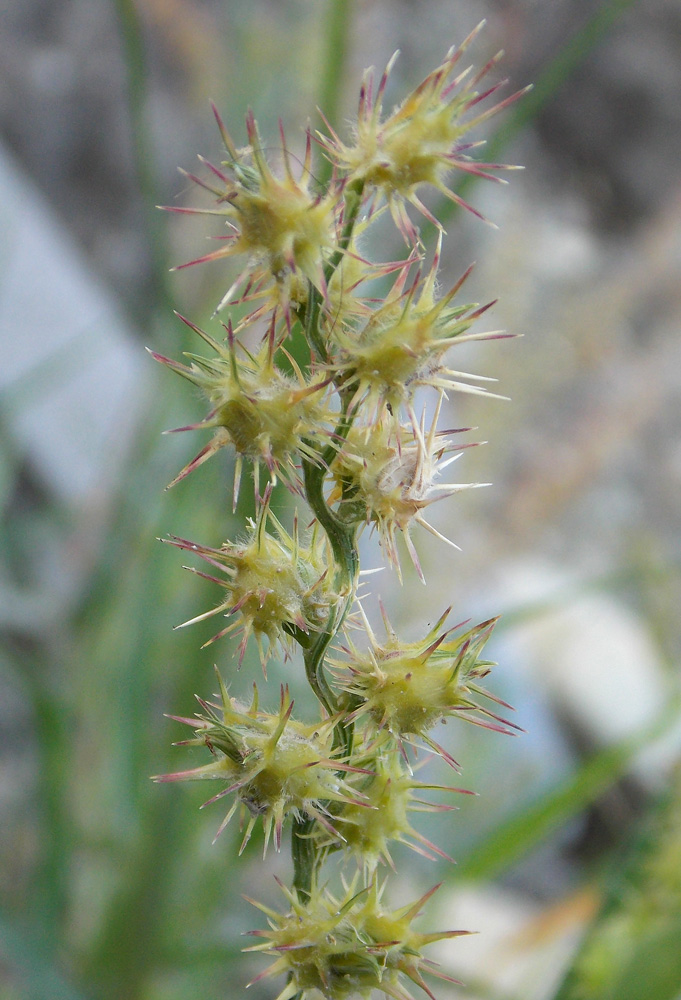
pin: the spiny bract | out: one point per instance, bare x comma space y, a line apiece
346, 947
284, 226
275, 765
420, 142
389, 793
277, 587
387, 472
401, 345
267, 415
407, 687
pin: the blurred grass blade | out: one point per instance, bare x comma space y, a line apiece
632, 951
559, 70
334, 58
547, 84
651, 969
535, 822
134, 54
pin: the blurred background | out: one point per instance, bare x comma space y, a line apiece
110, 886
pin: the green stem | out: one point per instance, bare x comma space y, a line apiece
341, 535
311, 323
314, 667
343, 541
353, 201
304, 856
310, 316
342, 538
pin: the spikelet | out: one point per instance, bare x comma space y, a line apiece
420, 142
276, 767
401, 345
266, 415
283, 226
408, 687
276, 587
388, 472
345, 947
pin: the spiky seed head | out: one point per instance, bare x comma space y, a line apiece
421, 141
275, 766
390, 471
344, 303
345, 947
277, 587
280, 224
391, 792
401, 346
268, 416
408, 687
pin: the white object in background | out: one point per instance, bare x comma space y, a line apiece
71, 373
523, 948
596, 659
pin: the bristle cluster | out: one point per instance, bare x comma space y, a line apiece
389, 471
401, 345
274, 766
421, 141
276, 586
346, 946
389, 792
282, 225
266, 415
406, 688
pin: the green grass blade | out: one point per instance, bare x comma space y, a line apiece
632, 951
134, 54
559, 70
535, 822
334, 58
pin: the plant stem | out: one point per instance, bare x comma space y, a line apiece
312, 312
353, 202
304, 856
343, 540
